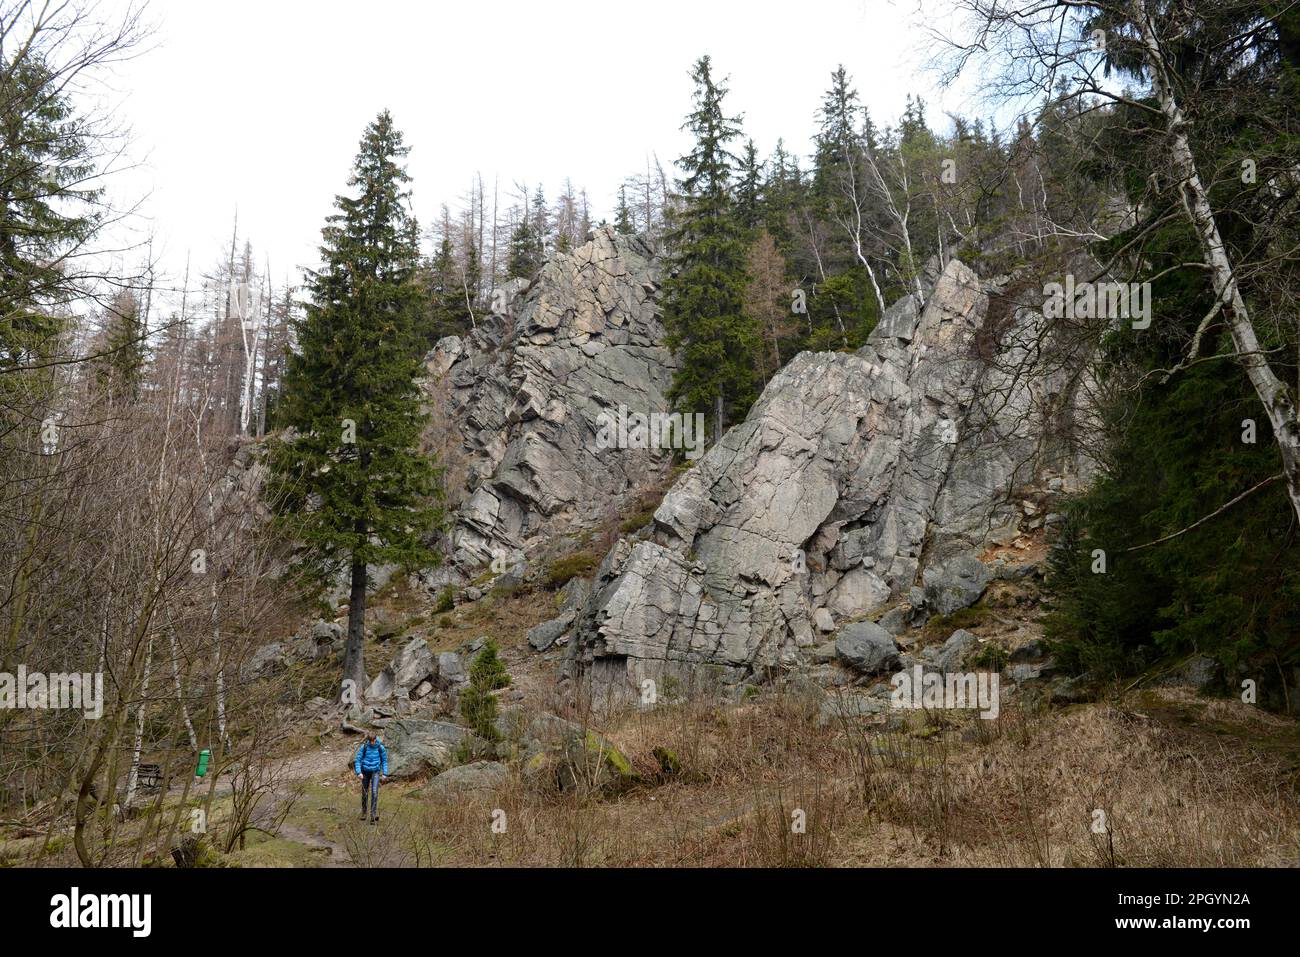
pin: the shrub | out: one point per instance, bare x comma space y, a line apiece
488, 671
571, 566
993, 657
634, 523
478, 706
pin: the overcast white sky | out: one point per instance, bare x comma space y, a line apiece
259, 104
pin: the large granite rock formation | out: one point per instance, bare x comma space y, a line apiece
850, 472
526, 390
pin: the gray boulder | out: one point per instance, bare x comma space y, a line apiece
266, 660
479, 777
894, 621
952, 653
837, 708
451, 670
1033, 650
866, 647
1199, 672
541, 637
413, 664
957, 584
417, 745
824, 653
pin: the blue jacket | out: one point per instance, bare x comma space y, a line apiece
371, 757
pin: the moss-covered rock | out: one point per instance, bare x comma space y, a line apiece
669, 763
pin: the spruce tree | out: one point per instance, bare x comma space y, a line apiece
446, 312
623, 214
523, 260
704, 313
119, 369
749, 187
351, 482
478, 705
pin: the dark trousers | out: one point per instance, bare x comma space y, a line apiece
370, 787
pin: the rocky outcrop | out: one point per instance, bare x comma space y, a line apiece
322, 639
416, 674
525, 392
850, 472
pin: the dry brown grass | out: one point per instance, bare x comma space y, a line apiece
1182, 781
937, 789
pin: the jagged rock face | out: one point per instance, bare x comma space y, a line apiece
847, 472
527, 388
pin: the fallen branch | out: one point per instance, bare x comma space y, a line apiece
1218, 511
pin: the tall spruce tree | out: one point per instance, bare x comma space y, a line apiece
352, 483
704, 314
446, 312
119, 368
623, 215
50, 206
525, 259
749, 187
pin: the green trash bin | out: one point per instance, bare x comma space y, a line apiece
204, 756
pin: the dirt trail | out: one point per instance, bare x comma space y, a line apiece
337, 854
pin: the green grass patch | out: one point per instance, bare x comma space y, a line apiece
561, 570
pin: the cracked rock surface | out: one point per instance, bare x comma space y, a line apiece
850, 473
524, 392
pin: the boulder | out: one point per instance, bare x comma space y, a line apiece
1033, 650
558, 753
1199, 672
541, 637
837, 708
866, 647
894, 621
327, 632
952, 653
479, 777
266, 660
956, 584
451, 670
417, 745
413, 664
824, 653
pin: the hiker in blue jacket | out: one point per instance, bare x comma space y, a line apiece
371, 765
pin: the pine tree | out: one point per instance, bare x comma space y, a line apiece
523, 261
351, 483
704, 313
120, 368
49, 205
478, 706
446, 312
749, 187
783, 198
623, 214
838, 138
